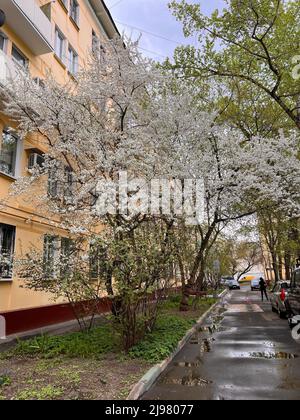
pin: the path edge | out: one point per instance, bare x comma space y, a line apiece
146, 382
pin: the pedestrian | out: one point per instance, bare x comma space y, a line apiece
263, 289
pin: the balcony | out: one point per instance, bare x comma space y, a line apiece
8, 69
29, 22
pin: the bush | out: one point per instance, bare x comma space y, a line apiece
159, 344
156, 345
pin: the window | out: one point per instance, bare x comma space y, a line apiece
74, 11
7, 247
65, 3
67, 249
68, 187
8, 153
53, 190
19, 57
73, 61
57, 254
51, 251
3, 41
95, 43
96, 256
35, 160
40, 82
61, 183
60, 42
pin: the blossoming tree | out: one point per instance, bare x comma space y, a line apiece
123, 114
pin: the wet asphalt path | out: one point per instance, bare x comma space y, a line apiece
243, 352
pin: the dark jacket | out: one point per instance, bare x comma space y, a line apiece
262, 285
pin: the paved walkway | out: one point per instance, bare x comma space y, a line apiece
244, 351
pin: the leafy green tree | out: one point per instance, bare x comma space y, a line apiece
249, 49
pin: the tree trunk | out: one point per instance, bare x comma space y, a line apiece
275, 267
287, 265
198, 264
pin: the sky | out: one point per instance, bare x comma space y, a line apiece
152, 19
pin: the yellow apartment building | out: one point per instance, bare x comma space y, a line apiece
45, 36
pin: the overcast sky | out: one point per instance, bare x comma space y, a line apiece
135, 16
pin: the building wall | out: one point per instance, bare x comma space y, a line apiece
31, 224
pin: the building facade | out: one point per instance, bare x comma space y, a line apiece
47, 37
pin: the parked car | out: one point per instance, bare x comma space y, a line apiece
226, 280
233, 285
278, 297
293, 300
255, 284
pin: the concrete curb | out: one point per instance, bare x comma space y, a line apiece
153, 374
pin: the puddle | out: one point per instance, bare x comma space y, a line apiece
195, 381
270, 355
218, 319
204, 343
188, 364
192, 380
269, 344
208, 329
206, 346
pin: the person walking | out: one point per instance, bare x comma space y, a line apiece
263, 289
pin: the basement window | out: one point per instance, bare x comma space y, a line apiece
7, 249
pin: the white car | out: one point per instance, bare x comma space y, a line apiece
233, 285
255, 284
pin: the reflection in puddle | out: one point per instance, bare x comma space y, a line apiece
269, 344
190, 380
188, 364
205, 344
270, 356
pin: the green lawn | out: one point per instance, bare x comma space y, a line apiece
71, 357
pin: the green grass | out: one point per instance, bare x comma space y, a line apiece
159, 344
5, 380
94, 344
174, 303
45, 393
170, 328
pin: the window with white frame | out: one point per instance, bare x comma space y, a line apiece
8, 153
51, 253
57, 255
7, 249
73, 61
60, 44
74, 11
67, 250
19, 57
